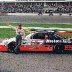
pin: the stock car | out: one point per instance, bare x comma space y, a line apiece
37, 42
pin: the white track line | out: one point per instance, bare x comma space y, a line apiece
50, 28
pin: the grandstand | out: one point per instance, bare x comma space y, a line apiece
35, 6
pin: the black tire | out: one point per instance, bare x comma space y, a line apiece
11, 47
59, 48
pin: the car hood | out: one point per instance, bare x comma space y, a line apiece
7, 41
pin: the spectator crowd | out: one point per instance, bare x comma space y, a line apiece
33, 8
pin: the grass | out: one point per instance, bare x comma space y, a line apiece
8, 32
39, 25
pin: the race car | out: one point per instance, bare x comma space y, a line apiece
41, 41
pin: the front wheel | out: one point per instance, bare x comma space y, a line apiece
11, 47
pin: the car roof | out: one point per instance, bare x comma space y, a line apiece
45, 31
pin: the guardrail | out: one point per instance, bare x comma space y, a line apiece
53, 14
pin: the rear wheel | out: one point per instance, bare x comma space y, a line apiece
59, 48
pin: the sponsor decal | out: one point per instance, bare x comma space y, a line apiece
68, 47
58, 41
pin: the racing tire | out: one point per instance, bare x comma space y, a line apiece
11, 47
58, 49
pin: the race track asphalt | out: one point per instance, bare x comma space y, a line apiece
35, 62
44, 19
